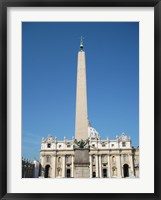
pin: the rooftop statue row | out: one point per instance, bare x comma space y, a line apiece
92, 135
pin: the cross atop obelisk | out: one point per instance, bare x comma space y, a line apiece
81, 119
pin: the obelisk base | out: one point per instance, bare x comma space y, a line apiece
81, 163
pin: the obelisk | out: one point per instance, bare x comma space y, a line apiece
81, 121
81, 149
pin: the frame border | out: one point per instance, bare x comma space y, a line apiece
4, 4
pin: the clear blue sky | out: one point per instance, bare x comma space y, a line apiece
49, 52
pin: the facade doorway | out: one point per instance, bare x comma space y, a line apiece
104, 174
126, 170
46, 175
94, 174
68, 173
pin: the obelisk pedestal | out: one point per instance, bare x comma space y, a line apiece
81, 163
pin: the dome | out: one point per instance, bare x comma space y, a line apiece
92, 133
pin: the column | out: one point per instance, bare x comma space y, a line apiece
97, 172
42, 161
63, 166
53, 166
42, 166
109, 167
122, 162
131, 166
100, 166
72, 166
90, 160
119, 166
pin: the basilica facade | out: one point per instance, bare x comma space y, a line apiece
107, 158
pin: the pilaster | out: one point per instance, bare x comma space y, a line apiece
131, 166
72, 166
53, 166
97, 167
100, 167
90, 160
63, 166
109, 167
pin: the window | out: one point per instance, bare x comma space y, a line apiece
48, 145
59, 145
68, 145
124, 144
103, 144
93, 145
112, 145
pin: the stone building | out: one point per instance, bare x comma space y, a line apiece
27, 168
30, 169
136, 161
86, 155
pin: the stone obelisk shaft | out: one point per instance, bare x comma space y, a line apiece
81, 121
